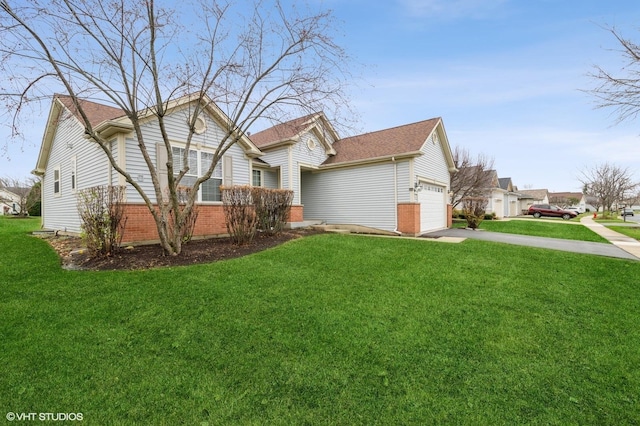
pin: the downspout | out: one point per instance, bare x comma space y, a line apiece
395, 193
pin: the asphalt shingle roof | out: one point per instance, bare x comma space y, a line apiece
96, 113
383, 143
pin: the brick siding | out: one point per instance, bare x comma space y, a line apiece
409, 218
141, 227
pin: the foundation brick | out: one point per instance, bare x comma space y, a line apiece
409, 218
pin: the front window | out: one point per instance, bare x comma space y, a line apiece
199, 162
256, 178
211, 187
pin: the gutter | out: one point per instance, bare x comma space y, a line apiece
395, 193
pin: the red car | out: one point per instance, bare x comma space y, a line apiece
538, 210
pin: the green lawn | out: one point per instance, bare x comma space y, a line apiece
543, 228
630, 231
330, 329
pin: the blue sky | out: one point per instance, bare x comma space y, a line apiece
505, 76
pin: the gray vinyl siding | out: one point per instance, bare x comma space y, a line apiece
280, 157
432, 164
177, 130
270, 179
61, 212
359, 195
303, 154
137, 168
404, 181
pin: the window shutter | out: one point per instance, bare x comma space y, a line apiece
161, 159
227, 169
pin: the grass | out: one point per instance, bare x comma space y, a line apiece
630, 231
543, 228
331, 329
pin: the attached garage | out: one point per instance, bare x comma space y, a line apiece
432, 207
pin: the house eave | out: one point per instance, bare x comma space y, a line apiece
374, 160
279, 144
106, 129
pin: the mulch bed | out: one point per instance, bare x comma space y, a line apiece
151, 256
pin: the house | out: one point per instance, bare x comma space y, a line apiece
395, 180
529, 197
569, 199
10, 200
510, 197
502, 196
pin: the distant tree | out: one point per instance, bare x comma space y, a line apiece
608, 183
23, 189
563, 201
472, 178
260, 62
34, 199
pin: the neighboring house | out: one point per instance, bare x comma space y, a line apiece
393, 180
502, 197
529, 197
510, 200
501, 194
569, 199
495, 194
9, 200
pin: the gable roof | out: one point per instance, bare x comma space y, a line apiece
281, 132
290, 132
566, 195
406, 140
505, 183
536, 194
108, 120
96, 113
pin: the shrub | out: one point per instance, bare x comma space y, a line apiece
272, 207
239, 212
102, 214
36, 209
490, 216
474, 210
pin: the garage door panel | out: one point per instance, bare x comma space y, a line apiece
432, 207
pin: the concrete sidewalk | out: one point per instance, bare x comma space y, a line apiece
627, 244
621, 246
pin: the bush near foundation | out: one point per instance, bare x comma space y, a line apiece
249, 209
101, 210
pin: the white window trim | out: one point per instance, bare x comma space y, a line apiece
74, 174
199, 171
59, 181
261, 177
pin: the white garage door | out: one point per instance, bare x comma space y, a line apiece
433, 210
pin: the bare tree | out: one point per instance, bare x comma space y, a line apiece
620, 92
26, 193
472, 178
608, 183
262, 61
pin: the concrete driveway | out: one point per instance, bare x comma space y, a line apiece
600, 249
